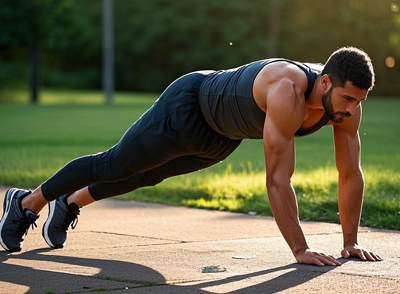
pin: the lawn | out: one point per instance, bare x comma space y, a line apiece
36, 140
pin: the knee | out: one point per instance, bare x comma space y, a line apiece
106, 169
148, 181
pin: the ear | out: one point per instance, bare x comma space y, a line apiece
326, 82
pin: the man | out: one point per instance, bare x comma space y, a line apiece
198, 121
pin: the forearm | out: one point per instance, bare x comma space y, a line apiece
351, 192
284, 208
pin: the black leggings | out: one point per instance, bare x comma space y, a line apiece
171, 138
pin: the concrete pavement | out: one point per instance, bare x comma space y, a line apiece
132, 247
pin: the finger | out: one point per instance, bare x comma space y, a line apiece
329, 260
337, 262
316, 261
375, 256
332, 261
361, 255
310, 260
369, 256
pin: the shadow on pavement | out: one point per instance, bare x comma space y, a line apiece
60, 276
294, 275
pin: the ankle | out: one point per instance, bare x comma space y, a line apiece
26, 203
69, 199
81, 198
33, 202
71, 203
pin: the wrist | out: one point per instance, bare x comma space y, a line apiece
349, 244
296, 250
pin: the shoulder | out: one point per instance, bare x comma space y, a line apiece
283, 70
280, 90
279, 74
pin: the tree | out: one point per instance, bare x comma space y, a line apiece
156, 41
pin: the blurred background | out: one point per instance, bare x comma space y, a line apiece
156, 41
71, 54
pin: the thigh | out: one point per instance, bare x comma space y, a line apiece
173, 127
190, 163
177, 166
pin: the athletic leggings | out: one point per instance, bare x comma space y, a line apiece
171, 138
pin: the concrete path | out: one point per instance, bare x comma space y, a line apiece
132, 247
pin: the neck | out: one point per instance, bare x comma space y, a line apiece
315, 99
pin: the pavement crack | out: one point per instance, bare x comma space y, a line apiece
138, 236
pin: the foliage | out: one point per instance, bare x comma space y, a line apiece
67, 33
157, 40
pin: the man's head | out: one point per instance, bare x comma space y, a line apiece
348, 76
350, 64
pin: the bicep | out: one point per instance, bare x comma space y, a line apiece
284, 116
279, 154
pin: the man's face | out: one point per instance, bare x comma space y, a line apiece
340, 103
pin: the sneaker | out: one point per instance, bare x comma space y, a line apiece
15, 222
61, 216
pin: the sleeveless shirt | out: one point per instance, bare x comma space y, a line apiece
228, 105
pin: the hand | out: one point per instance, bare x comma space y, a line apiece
309, 256
358, 251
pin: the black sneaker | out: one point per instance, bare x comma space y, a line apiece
15, 223
61, 216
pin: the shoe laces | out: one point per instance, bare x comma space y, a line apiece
71, 218
24, 223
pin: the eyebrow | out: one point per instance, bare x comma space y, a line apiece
352, 98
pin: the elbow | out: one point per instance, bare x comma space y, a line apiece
353, 172
275, 182
354, 175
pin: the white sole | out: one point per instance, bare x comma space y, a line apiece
52, 205
5, 214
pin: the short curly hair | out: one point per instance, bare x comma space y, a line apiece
350, 64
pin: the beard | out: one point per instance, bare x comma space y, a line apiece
336, 117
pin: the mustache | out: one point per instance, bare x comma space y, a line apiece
346, 114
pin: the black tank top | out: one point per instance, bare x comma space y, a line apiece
227, 102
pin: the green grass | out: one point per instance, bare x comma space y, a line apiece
35, 141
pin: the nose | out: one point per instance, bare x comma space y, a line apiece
351, 108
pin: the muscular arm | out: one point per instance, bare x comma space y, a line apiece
351, 185
351, 182
282, 121
285, 113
